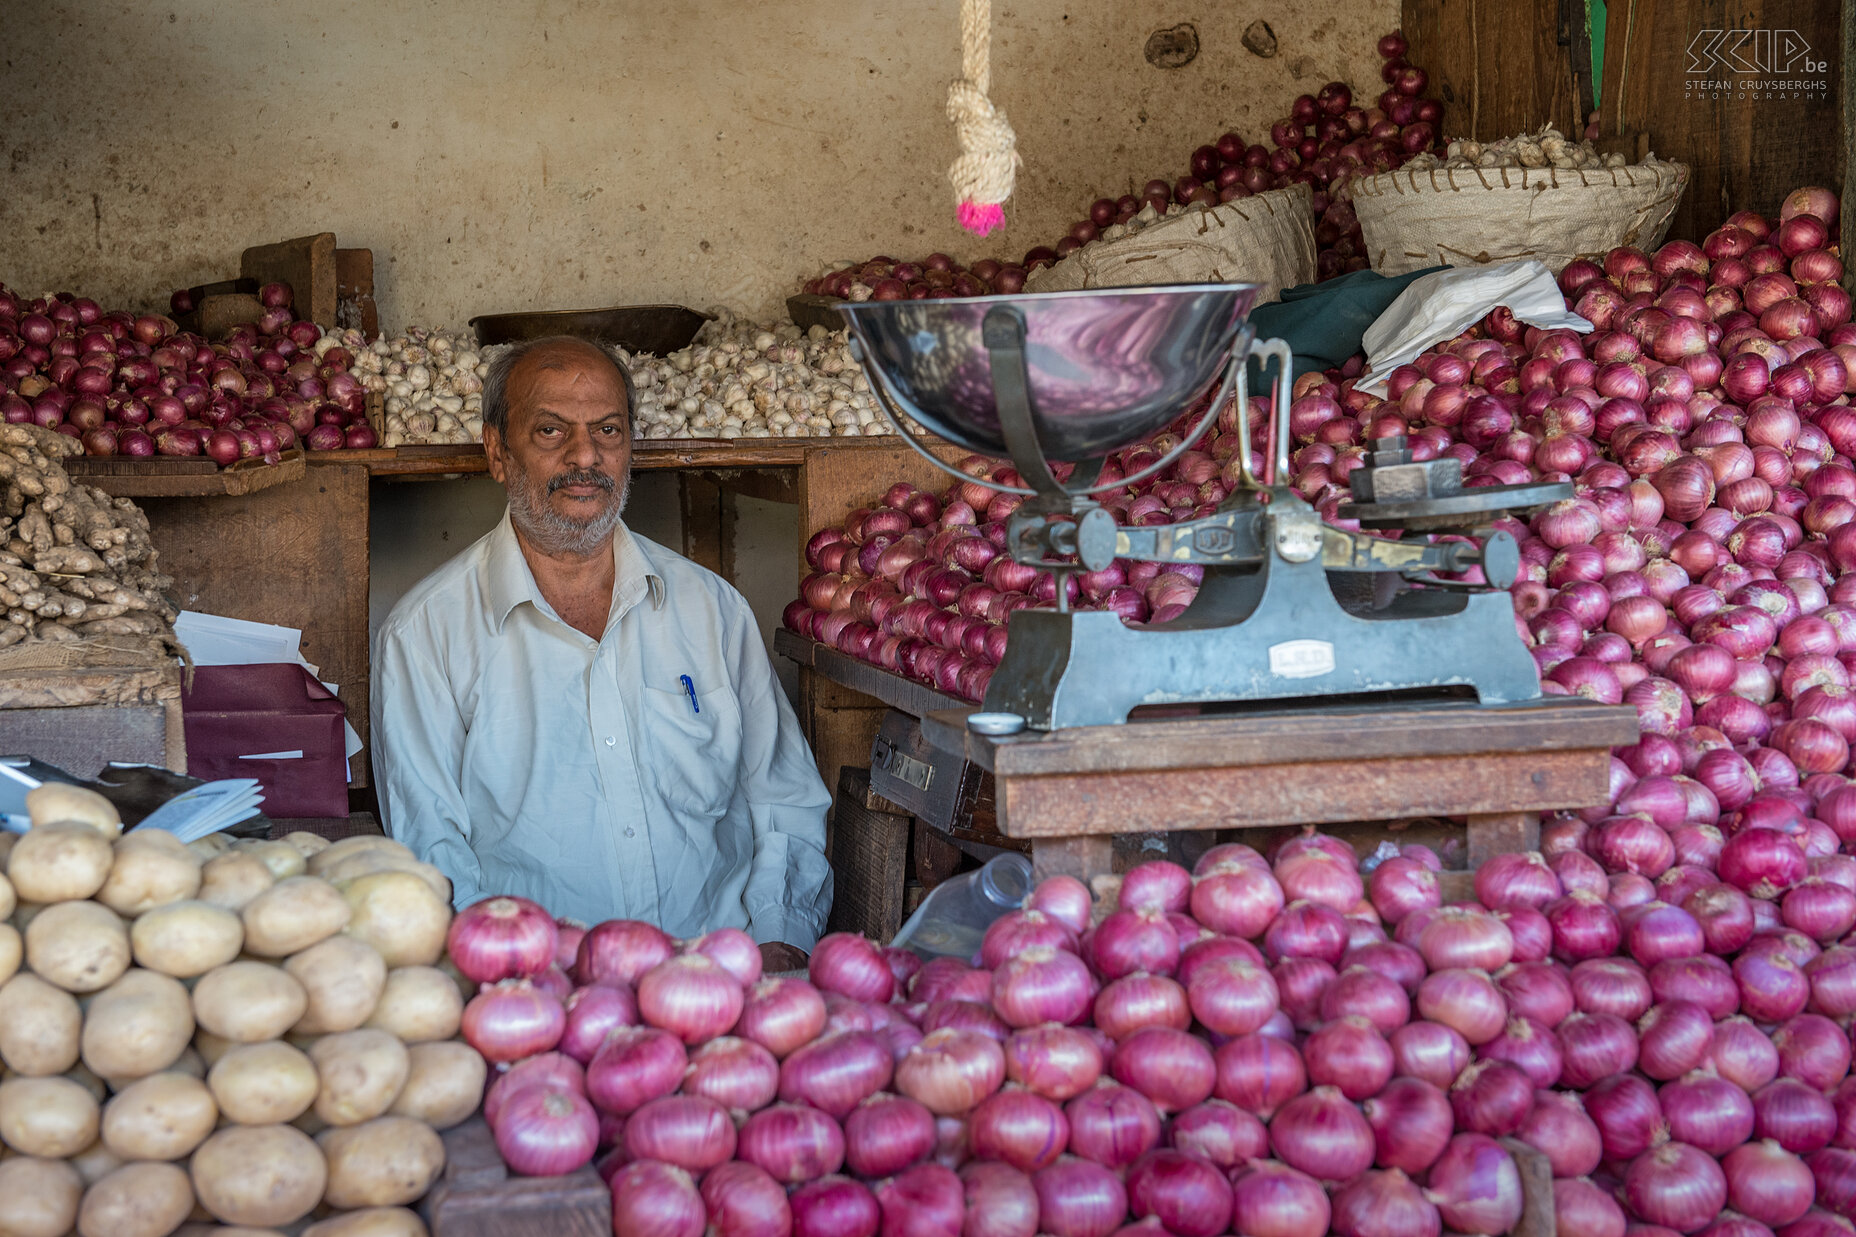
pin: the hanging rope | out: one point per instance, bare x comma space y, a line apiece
983, 173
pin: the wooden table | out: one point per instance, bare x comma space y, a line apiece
1070, 791
296, 553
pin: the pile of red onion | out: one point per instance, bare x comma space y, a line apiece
136, 385
1324, 142
1281, 1046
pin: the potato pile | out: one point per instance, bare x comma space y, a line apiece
241, 1033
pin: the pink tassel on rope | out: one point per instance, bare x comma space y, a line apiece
980, 218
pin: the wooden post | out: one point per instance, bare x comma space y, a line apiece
1847, 68
1081, 857
1500, 834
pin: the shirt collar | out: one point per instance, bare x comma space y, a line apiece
509, 582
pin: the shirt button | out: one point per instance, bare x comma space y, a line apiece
630, 832
610, 740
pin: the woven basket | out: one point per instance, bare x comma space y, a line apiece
1475, 216
1267, 239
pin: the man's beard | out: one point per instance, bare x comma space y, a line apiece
549, 530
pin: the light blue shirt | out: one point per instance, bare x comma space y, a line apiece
520, 756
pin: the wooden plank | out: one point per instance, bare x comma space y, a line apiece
123, 477
83, 739
220, 312
477, 1197
700, 503
1291, 793
354, 291
1498, 68
1743, 151
936, 858
307, 264
880, 466
1081, 857
1501, 834
294, 555
906, 695
1292, 737
869, 862
1537, 1214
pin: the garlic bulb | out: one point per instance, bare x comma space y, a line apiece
1547, 148
432, 380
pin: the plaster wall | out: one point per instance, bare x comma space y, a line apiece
546, 154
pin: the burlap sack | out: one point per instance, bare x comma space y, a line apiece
1473, 216
1267, 239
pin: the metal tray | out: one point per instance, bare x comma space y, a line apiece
656, 329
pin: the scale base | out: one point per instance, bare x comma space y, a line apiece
1274, 632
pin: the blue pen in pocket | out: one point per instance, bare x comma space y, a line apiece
689, 689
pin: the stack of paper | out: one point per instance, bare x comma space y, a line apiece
189, 816
213, 640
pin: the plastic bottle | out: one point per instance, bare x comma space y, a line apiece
952, 920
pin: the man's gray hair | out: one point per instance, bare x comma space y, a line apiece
496, 385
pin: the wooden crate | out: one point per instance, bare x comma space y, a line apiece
477, 1197
80, 719
869, 852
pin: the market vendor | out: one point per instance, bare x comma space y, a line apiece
572, 713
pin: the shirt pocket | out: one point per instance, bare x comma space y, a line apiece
691, 757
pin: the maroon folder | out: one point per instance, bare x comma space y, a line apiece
237, 716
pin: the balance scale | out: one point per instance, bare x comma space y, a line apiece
1073, 376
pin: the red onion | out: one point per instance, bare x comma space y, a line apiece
951, 1071
1220, 1133
1230, 996
1171, 1068
1429, 1050
731, 949
832, 1206
743, 1201
1465, 937
886, 1133
794, 1144
1239, 899
1016, 931
1063, 898
1399, 963
973, 1016
1772, 988
1656, 931
1411, 1122
546, 1131
1707, 1112
1322, 1134
1823, 910
1583, 926
1398, 886
1514, 880
738, 1074
656, 1200
1364, 992
501, 938
1046, 985
1387, 1204
1793, 1114
1706, 980
1464, 1000
511, 1020
1054, 1061
1019, 1127
622, 949
1139, 1000
1725, 916
1078, 1198
1674, 1038
690, 996
1530, 1047
592, 1014
850, 965
1676, 1186
782, 1015
1000, 1201
693, 1133
1558, 1128
1594, 1047
550, 1069
633, 1066
1767, 1183
1157, 885
1259, 1073
1129, 941
1306, 930
1112, 1125
1274, 1200
1186, 1194
1813, 1050
1475, 1186
927, 1200
1581, 1207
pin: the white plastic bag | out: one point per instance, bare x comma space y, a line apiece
1443, 304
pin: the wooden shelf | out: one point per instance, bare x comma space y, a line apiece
892, 689
648, 455
123, 477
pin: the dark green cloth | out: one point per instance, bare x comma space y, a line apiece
1323, 323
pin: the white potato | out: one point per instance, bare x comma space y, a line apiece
137, 1026
144, 1199
152, 868
262, 1175
418, 1004
59, 862
80, 946
263, 1084
386, 1162
248, 1001
233, 879
343, 977
160, 1117
38, 1197
399, 915
444, 1083
50, 1117
306, 843
62, 803
361, 1073
186, 938
292, 915
39, 1026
